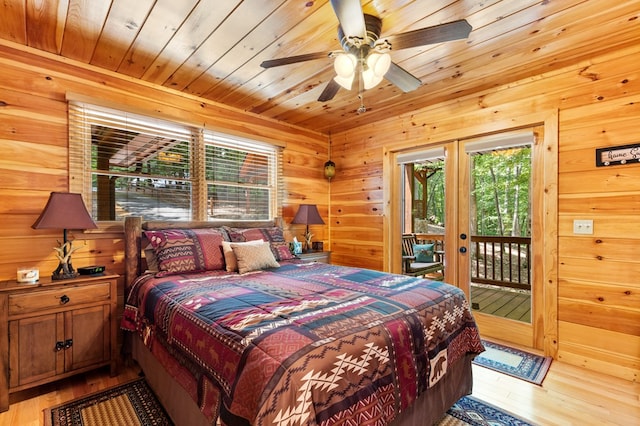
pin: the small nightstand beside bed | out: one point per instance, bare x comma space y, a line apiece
294, 344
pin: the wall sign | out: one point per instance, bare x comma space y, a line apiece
616, 155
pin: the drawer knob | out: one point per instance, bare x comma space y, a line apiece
59, 346
64, 299
68, 343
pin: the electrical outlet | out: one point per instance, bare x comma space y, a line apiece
583, 226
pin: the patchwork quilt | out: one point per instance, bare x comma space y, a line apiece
303, 343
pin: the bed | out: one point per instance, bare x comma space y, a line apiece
283, 342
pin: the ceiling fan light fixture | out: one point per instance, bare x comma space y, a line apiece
345, 67
345, 82
377, 66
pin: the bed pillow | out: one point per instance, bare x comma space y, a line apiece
281, 251
273, 235
270, 234
188, 250
423, 253
230, 260
253, 257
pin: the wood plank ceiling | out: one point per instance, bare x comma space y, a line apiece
213, 48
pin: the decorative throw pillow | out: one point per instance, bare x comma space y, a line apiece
253, 257
281, 251
423, 253
187, 250
273, 235
229, 256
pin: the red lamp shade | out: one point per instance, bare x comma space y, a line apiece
64, 210
308, 215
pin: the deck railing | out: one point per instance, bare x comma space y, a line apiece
500, 261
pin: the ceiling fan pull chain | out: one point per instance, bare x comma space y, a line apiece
361, 109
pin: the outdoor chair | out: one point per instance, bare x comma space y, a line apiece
420, 259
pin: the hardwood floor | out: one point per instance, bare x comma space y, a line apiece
27, 407
568, 396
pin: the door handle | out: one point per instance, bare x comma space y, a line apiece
462, 249
463, 236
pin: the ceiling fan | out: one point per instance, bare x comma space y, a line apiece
365, 56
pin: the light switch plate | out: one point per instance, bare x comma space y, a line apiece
583, 226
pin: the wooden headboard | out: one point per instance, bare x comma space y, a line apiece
134, 241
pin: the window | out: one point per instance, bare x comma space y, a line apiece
240, 176
129, 164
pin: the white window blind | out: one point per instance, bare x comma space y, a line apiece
130, 164
422, 156
241, 177
499, 141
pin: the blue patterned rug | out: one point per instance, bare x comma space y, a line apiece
471, 411
514, 362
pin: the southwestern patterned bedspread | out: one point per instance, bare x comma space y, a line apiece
303, 343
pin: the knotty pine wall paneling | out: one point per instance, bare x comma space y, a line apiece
34, 160
598, 104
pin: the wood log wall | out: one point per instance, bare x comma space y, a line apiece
599, 106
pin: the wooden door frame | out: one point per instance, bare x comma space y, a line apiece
545, 336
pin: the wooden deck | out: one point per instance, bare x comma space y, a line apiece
512, 304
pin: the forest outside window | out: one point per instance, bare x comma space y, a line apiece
128, 164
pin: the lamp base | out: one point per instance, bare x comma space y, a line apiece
63, 276
64, 271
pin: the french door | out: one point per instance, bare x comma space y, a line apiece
499, 213
489, 254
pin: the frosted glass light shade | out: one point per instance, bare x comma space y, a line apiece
377, 66
345, 66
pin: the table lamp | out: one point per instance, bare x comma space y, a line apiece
64, 210
308, 215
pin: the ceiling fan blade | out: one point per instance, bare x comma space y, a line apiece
329, 91
294, 59
402, 78
437, 34
350, 16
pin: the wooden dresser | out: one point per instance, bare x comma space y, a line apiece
54, 329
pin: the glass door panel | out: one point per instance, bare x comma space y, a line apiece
500, 231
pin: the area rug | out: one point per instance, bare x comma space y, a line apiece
131, 404
471, 411
514, 362
134, 404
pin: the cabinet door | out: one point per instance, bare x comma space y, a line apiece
90, 331
32, 349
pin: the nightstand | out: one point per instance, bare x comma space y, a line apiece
55, 329
316, 256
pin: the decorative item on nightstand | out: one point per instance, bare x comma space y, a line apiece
308, 215
64, 210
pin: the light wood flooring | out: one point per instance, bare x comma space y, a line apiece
568, 396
